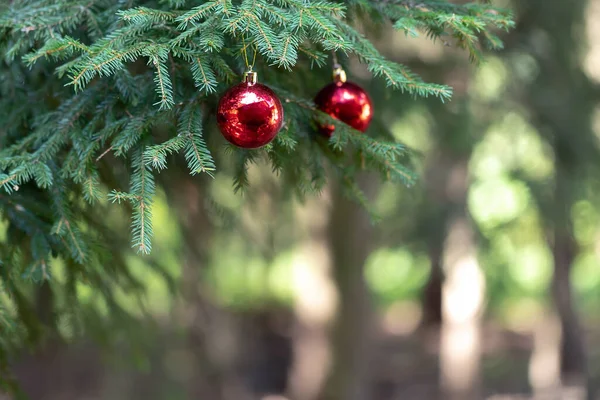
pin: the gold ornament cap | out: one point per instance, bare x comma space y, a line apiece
250, 77
339, 75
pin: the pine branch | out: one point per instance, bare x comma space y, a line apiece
65, 228
240, 177
396, 75
464, 22
8, 183
158, 57
156, 156
142, 187
197, 13
196, 152
57, 49
203, 74
147, 16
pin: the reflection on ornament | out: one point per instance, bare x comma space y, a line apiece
345, 101
250, 114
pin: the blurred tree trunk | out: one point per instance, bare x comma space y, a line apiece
561, 99
463, 293
349, 232
196, 231
435, 217
211, 343
573, 364
314, 302
432, 294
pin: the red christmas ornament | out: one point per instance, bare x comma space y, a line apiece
345, 101
250, 114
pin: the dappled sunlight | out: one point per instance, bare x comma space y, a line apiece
512, 144
402, 318
3, 228
544, 365
521, 314
586, 273
459, 364
220, 189
168, 237
497, 201
314, 292
490, 80
236, 277
386, 202
396, 273
418, 46
596, 121
591, 60
586, 222
414, 129
463, 291
530, 267
279, 275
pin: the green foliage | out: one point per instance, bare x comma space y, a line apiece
467, 24
91, 87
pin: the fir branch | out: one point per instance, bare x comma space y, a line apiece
288, 53
164, 87
91, 188
156, 156
45, 20
315, 56
74, 240
223, 70
212, 39
64, 227
204, 77
240, 177
263, 33
105, 63
464, 22
134, 128
274, 14
197, 13
196, 152
146, 16
57, 49
7, 182
142, 187
396, 75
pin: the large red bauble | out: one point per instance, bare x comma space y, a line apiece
347, 102
249, 115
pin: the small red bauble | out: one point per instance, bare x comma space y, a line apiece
345, 101
250, 114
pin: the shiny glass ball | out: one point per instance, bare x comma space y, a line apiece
249, 115
347, 102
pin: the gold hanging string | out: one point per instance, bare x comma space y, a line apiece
249, 66
334, 59
339, 75
245, 53
254, 58
250, 77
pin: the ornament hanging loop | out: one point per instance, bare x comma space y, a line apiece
339, 75
250, 76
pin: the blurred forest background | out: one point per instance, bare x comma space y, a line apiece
482, 281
